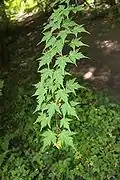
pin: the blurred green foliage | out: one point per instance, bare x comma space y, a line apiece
97, 141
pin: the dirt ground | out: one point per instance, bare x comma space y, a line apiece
103, 67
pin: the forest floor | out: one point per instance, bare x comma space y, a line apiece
104, 52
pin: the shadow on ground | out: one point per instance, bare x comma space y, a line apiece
103, 67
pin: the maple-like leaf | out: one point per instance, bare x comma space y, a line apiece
78, 29
50, 42
62, 94
49, 138
44, 120
76, 42
47, 36
66, 108
75, 55
59, 45
71, 85
64, 122
52, 108
45, 73
58, 77
66, 139
61, 62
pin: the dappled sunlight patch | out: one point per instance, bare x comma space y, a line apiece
108, 46
95, 74
89, 74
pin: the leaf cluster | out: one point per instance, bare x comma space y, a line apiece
53, 91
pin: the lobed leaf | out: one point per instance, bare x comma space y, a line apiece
66, 139
49, 138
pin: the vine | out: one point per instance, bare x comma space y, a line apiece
54, 105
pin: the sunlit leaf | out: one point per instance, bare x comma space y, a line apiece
71, 85
69, 110
61, 62
49, 138
50, 42
74, 56
44, 120
45, 73
66, 139
47, 36
64, 122
76, 43
79, 29
62, 94
58, 77
52, 108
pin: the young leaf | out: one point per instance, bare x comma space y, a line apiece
78, 29
47, 36
76, 43
66, 139
45, 73
59, 45
50, 42
52, 108
64, 122
58, 77
71, 85
61, 62
75, 55
49, 138
62, 94
67, 109
44, 120
68, 23
63, 34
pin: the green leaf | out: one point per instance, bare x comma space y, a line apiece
46, 72
59, 45
58, 77
77, 8
40, 93
44, 120
49, 138
45, 59
78, 29
61, 62
64, 122
71, 85
68, 23
62, 94
74, 55
50, 42
57, 13
63, 34
76, 43
66, 139
67, 109
52, 108
73, 103
47, 36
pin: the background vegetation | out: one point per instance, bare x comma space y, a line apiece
97, 139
